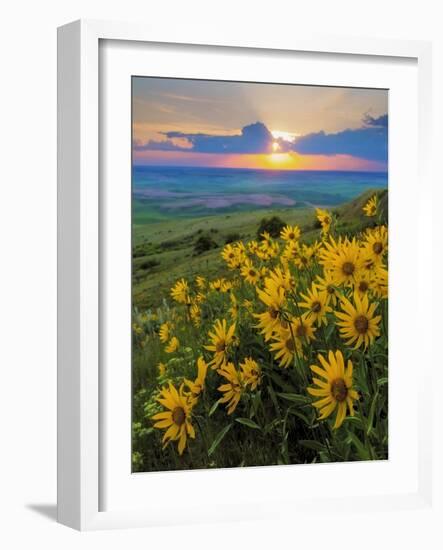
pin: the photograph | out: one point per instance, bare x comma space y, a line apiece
259, 274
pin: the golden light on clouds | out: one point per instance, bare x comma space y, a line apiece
287, 136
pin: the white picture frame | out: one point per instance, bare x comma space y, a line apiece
81, 412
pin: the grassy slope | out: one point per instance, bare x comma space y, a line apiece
171, 243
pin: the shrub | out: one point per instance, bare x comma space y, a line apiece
147, 264
203, 244
232, 238
273, 226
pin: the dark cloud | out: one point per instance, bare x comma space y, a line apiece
379, 122
254, 138
152, 145
369, 142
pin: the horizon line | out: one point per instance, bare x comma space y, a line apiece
258, 169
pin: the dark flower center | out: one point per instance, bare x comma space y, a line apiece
273, 313
178, 416
291, 236
339, 389
330, 289
377, 247
363, 286
252, 273
301, 330
290, 344
220, 346
348, 268
316, 307
361, 324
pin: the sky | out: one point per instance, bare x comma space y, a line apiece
178, 122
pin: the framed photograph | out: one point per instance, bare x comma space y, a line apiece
239, 286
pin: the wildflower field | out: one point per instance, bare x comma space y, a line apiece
273, 351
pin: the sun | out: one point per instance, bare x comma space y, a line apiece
275, 147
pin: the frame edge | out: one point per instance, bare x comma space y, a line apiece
68, 275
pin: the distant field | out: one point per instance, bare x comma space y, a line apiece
165, 251
164, 193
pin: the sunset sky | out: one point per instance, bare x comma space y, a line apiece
268, 126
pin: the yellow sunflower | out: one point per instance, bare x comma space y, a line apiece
165, 332
325, 219
233, 389
231, 256
303, 257
381, 282
363, 283
290, 252
234, 309
285, 347
316, 304
327, 284
252, 247
273, 297
343, 260
303, 329
222, 338
370, 208
250, 273
161, 367
180, 292
250, 371
281, 278
176, 420
173, 345
198, 385
334, 387
358, 324
290, 233
376, 244
200, 282
195, 314
220, 285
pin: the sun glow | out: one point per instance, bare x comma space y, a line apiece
282, 159
286, 136
275, 146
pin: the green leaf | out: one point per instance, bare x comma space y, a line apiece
382, 381
353, 420
362, 452
248, 422
329, 330
213, 408
256, 400
311, 444
279, 381
218, 439
274, 400
295, 398
300, 415
372, 413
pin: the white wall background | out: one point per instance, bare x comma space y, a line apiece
28, 262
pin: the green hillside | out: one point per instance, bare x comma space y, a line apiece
168, 250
